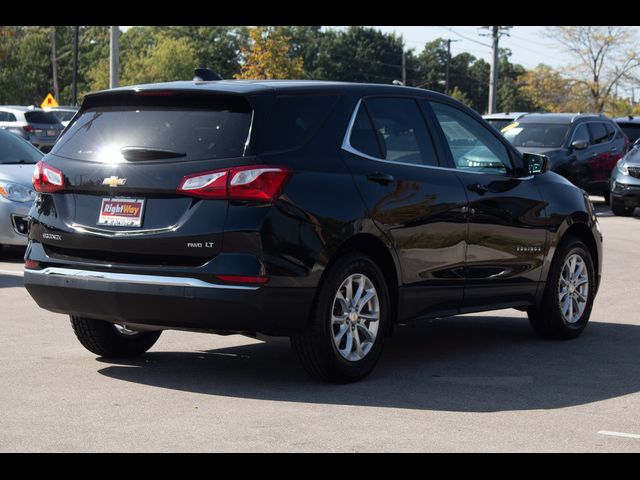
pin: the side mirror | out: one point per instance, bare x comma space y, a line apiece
535, 163
580, 144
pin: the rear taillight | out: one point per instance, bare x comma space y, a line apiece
28, 128
261, 183
47, 179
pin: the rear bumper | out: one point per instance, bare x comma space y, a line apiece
170, 302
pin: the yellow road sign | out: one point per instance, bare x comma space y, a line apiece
49, 101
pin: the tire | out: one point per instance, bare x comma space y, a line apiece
317, 349
106, 340
548, 319
620, 210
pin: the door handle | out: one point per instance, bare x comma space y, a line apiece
476, 187
381, 178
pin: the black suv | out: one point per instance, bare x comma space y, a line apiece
327, 212
584, 148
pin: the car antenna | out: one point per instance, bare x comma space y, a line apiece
206, 75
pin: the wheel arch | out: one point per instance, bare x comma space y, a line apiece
382, 254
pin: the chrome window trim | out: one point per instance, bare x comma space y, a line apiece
133, 278
347, 147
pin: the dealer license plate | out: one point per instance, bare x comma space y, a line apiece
121, 212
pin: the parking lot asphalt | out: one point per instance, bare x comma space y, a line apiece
480, 382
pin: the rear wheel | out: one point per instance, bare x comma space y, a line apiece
110, 340
344, 338
619, 209
568, 295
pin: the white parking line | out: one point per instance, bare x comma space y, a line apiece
619, 434
18, 273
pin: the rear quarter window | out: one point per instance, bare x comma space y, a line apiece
293, 121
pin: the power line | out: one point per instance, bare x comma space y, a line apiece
465, 37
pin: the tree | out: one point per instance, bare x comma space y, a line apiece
268, 56
604, 57
549, 91
360, 54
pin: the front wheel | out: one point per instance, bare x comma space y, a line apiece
344, 338
111, 340
569, 293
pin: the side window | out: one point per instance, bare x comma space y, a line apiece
363, 137
4, 117
611, 131
473, 147
582, 133
401, 131
11, 117
598, 132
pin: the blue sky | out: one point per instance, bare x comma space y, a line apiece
529, 44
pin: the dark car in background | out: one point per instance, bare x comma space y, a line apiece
583, 148
64, 113
38, 127
323, 211
501, 120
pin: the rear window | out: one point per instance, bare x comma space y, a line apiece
198, 126
64, 116
41, 117
295, 119
631, 130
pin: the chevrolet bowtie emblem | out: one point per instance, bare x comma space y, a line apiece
114, 181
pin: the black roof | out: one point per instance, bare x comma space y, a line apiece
249, 87
560, 118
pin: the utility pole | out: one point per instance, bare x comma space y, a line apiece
113, 58
404, 68
496, 31
54, 63
446, 74
74, 85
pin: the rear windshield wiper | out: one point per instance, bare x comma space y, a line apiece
147, 153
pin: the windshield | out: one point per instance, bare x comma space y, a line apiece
498, 123
15, 150
63, 116
535, 134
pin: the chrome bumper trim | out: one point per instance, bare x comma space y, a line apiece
133, 278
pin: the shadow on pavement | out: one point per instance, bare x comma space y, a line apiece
11, 281
468, 364
12, 254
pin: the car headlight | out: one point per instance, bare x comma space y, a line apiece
622, 167
16, 192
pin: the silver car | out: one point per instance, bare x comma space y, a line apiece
17, 160
625, 183
38, 127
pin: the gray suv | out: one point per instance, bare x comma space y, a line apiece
33, 124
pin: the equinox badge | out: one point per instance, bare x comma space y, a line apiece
114, 181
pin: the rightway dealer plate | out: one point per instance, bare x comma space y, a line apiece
121, 212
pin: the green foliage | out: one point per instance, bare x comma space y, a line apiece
268, 56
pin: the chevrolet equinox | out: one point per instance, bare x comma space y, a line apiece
322, 211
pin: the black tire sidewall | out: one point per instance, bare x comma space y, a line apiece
566, 329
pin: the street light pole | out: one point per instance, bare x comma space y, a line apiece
74, 89
113, 58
